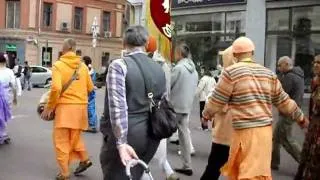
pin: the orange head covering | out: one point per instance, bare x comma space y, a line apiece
227, 57
242, 45
151, 46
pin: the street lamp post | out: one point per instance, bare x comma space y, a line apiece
95, 31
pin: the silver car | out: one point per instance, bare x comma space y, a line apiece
40, 76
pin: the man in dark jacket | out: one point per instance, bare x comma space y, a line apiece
126, 113
292, 80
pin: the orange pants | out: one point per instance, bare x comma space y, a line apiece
68, 146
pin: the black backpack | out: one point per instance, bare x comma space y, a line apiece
162, 117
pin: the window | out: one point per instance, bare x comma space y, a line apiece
278, 20
218, 20
47, 56
38, 70
306, 18
78, 18
199, 26
47, 14
293, 32
235, 22
106, 21
13, 14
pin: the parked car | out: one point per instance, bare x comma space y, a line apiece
41, 76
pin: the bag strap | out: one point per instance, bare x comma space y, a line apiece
73, 78
145, 75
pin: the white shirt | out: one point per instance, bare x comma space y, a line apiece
8, 81
205, 86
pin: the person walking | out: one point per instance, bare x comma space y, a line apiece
27, 72
72, 77
92, 114
161, 154
206, 84
292, 80
309, 166
184, 80
8, 97
18, 73
221, 132
125, 125
249, 89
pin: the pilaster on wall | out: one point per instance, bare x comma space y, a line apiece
256, 26
2, 18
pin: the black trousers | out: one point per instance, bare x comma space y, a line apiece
138, 138
218, 157
202, 105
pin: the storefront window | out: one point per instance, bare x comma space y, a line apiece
207, 34
235, 22
301, 41
308, 17
278, 20
277, 46
218, 22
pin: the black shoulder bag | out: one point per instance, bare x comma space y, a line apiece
162, 117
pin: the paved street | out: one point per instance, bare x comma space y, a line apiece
31, 157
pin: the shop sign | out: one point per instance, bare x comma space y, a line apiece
190, 3
11, 47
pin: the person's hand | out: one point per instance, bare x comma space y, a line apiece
46, 113
205, 116
304, 123
204, 122
126, 153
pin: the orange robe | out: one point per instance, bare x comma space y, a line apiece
245, 162
71, 116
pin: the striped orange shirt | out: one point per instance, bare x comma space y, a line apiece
250, 90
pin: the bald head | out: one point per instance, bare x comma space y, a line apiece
285, 64
69, 45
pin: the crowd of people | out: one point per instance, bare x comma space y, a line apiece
238, 105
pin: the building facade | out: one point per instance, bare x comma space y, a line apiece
278, 28
34, 30
137, 12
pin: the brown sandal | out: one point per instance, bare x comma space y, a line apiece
62, 177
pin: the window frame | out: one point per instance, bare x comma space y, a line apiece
285, 32
45, 12
15, 16
103, 21
81, 16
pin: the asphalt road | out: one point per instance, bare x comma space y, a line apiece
30, 156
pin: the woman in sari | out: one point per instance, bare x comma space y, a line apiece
8, 97
309, 167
